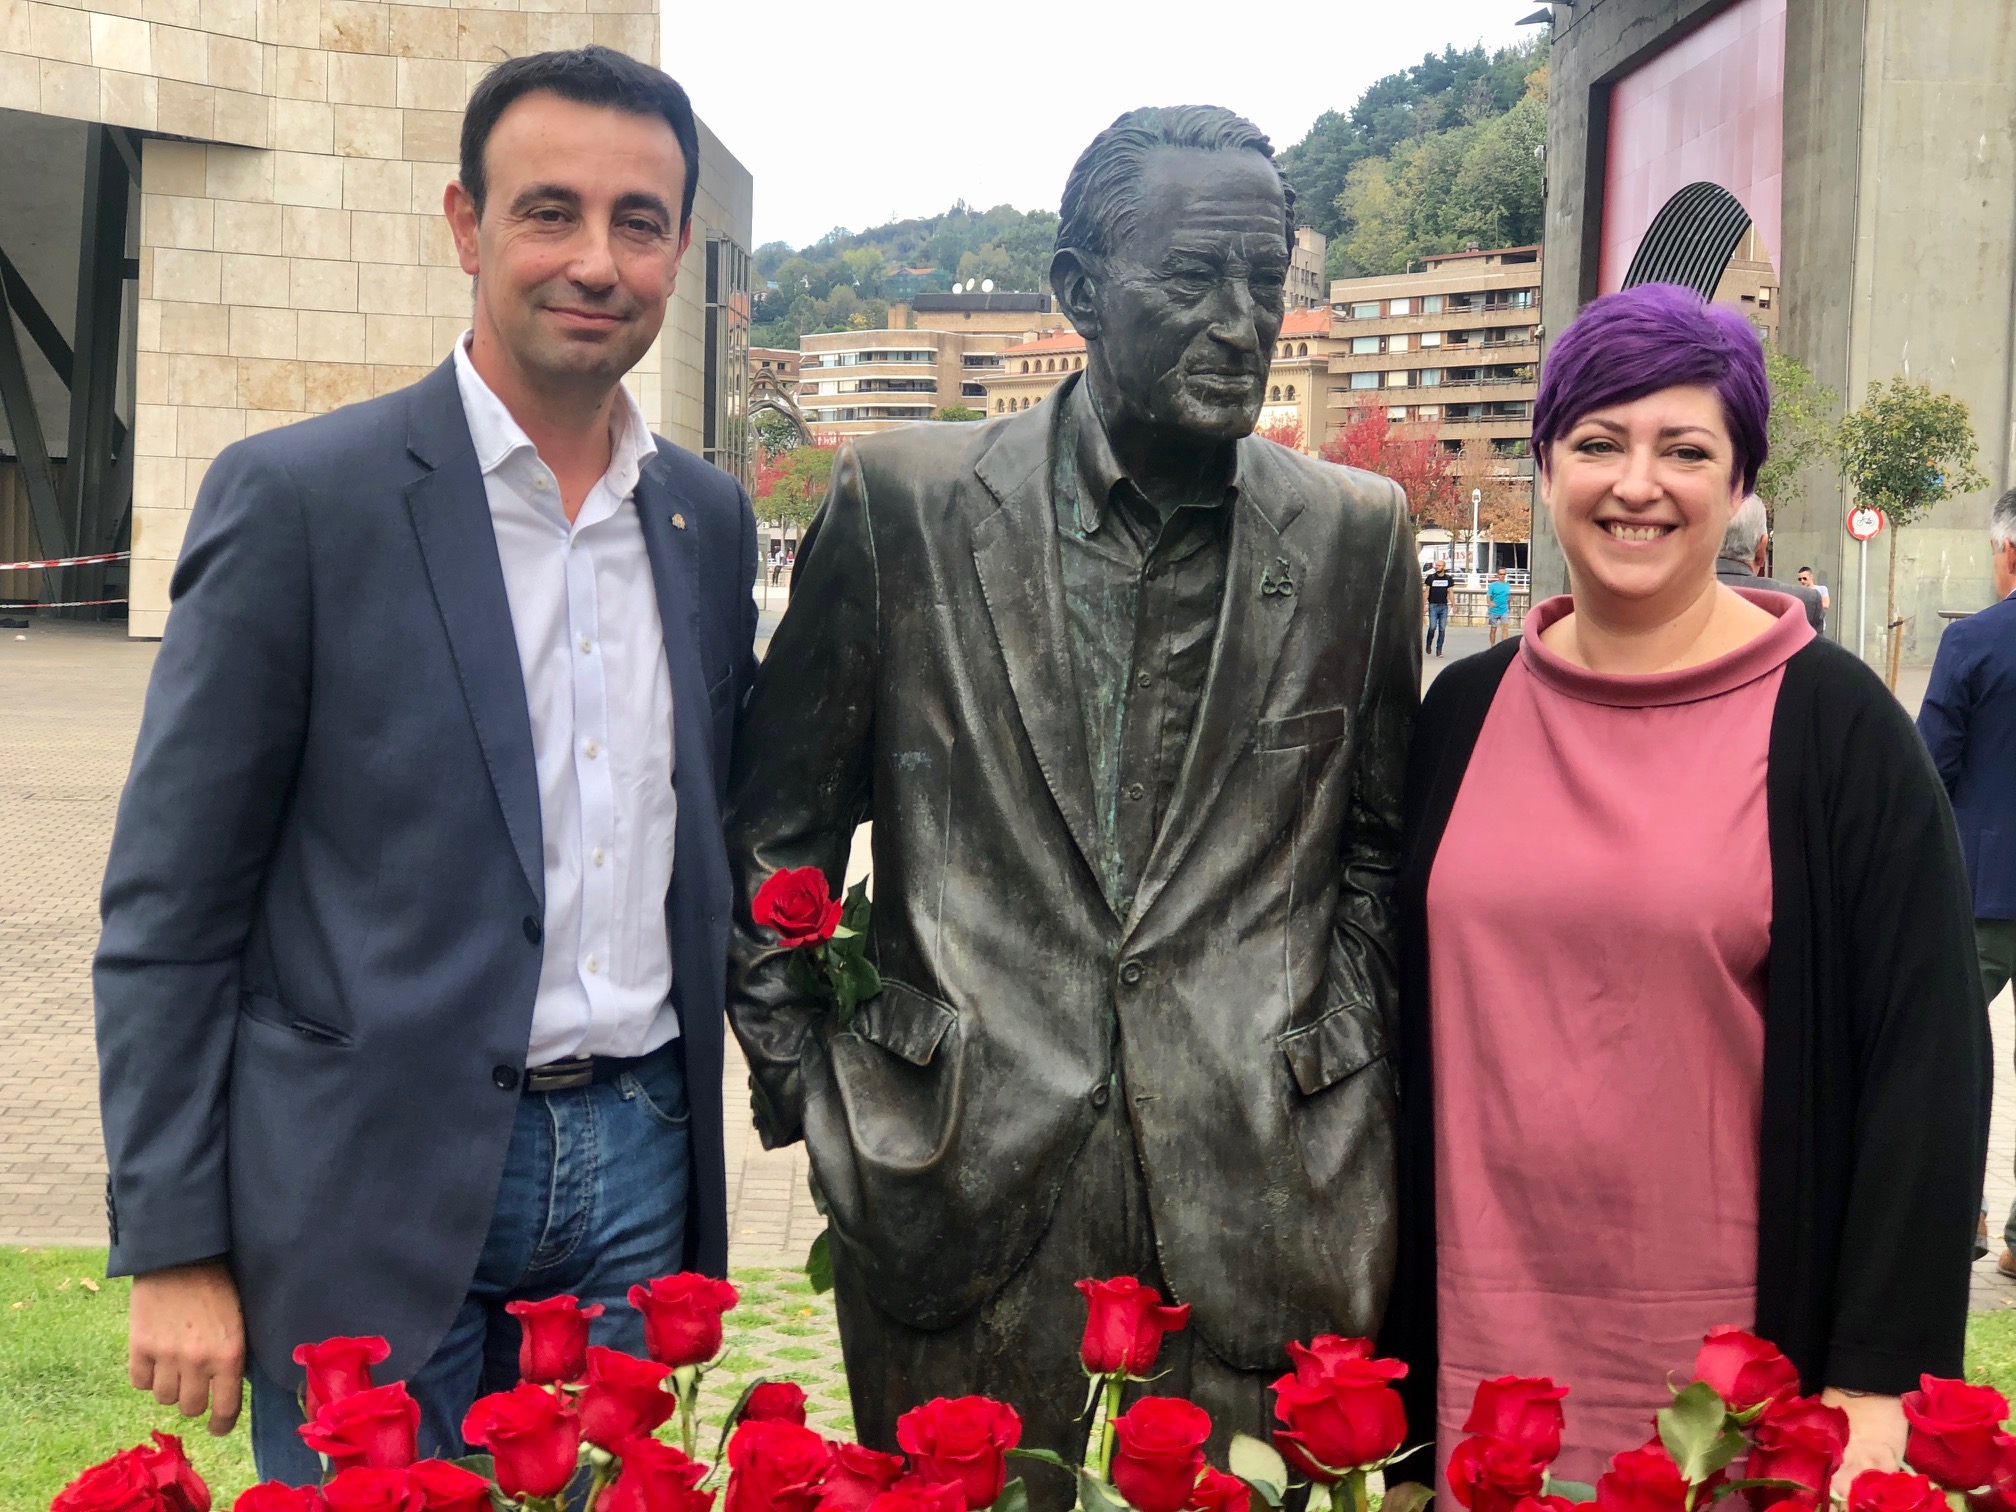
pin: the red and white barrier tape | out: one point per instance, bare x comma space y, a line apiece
7, 608
83, 561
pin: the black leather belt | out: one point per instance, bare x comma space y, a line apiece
585, 1070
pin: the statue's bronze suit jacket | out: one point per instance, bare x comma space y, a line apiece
1242, 1010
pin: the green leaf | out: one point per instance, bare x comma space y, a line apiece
1094, 1495
1697, 1433
863, 980
1267, 1491
1044, 1457
1255, 1459
805, 977
484, 1465
1575, 1491
1014, 1497
1412, 1496
819, 1263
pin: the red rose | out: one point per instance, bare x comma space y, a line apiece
1894, 1491
1524, 1411
533, 1438
2001, 1493
682, 1316
338, 1368
379, 1428
1158, 1453
624, 1397
1797, 1439
858, 1476
1642, 1480
1549, 1504
656, 1478
1124, 1325
552, 1338
122, 1483
1219, 1492
1953, 1431
447, 1487
775, 1467
1340, 1409
915, 1494
1488, 1476
797, 903
1744, 1370
774, 1401
367, 1489
271, 1496
173, 1476
963, 1439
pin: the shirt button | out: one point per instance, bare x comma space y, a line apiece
596, 855
534, 931
594, 964
1100, 1094
505, 1078
1136, 791
1132, 972
587, 645
1142, 679
591, 750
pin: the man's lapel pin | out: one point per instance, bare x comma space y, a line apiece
1274, 580
678, 522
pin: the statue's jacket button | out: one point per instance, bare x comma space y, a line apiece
1132, 972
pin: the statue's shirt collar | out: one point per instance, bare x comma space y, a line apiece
1099, 477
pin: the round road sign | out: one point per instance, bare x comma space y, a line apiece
1863, 524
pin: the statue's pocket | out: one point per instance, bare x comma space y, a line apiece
896, 1068
1314, 727
1344, 1041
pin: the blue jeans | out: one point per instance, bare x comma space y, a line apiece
593, 1200
1438, 627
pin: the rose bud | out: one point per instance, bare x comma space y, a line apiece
775, 1401
799, 905
1218, 1492
1744, 1370
857, 1477
1343, 1415
1158, 1453
1124, 1325
1799, 1439
447, 1487
1488, 1476
1524, 1411
271, 1496
912, 1494
365, 1489
963, 1439
552, 1338
122, 1483
1642, 1480
682, 1316
624, 1397
656, 1478
534, 1439
379, 1428
338, 1368
775, 1467
173, 1476
1894, 1491
1953, 1431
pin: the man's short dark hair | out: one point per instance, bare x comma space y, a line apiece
1103, 193
588, 76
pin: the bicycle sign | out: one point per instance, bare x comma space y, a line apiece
1864, 523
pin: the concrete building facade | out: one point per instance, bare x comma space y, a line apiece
1306, 290
1871, 145
263, 179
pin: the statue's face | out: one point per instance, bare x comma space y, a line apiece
1190, 301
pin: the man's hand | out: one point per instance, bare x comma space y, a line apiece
186, 1341
1876, 1435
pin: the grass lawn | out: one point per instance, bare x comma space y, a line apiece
65, 1404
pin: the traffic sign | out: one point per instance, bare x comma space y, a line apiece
1864, 523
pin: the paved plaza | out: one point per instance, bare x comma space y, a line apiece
70, 698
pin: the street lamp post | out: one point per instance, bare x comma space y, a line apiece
1476, 500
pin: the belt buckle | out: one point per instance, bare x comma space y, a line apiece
561, 1076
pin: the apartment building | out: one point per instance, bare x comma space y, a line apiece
939, 351
1029, 370
1296, 378
777, 365
1306, 289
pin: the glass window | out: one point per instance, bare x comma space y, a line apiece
1366, 311
1291, 391
1431, 304
1430, 377
1360, 345
1396, 343
1429, 412
1364, 380
1431, 338
1397, 412
1398, 380
1400, 307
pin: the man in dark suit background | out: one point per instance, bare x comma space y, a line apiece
1126, 692
1746, 551
1968, 721
410, 988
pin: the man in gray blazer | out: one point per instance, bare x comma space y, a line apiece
1126, 692
415, 923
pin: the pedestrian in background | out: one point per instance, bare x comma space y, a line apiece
1498, 607
1439, 583
1746, 550
1968, 720
1807, 580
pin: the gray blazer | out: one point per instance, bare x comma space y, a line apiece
322, 911
1738, 575
922, 679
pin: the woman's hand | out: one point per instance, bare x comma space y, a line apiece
1876, 1435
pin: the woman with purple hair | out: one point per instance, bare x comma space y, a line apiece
1691, 1031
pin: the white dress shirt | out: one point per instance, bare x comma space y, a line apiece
584, 608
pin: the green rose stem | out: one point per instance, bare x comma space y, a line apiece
1115, 1383
602, 1466
687, 1379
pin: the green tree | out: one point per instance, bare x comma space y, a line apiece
1801, 430
775, 433
957, 412
799, 486
1905, 450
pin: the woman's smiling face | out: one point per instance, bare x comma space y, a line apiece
1640, 495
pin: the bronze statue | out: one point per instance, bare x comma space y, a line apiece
1127, 695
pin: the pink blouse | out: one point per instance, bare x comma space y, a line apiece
1599, 927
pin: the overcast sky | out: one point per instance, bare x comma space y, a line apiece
852, 115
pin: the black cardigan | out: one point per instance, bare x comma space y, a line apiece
1876, 1048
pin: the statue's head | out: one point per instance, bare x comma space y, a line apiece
1172, 262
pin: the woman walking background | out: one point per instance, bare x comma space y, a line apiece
1712, 1050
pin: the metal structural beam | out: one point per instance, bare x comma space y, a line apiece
101, 289
30, 450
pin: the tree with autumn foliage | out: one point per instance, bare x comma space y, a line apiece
1286, 433
791, 485
1411, 455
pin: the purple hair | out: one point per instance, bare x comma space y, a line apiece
1656, 336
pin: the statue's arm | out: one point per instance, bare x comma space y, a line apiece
800, 782
1364, 950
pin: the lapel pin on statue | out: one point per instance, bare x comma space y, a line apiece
1271, 585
